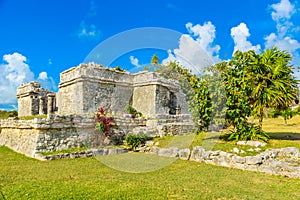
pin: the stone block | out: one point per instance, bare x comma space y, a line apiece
238, 159
184, 154
198, 153
253, 160
172, 152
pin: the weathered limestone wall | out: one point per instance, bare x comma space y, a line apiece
22, 140
144, 99
24, 106
43, 135
111, 96
70, 98
85, 88
154, 95
59, 132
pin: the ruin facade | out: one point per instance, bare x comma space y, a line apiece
87, 87
34, 100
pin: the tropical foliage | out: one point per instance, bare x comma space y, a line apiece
272, 81
136, 140
254, 83
249, 84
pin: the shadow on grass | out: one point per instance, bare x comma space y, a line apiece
284, 135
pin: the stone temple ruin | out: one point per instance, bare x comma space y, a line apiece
87, 87
83, 90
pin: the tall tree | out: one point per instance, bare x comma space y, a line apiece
271, 80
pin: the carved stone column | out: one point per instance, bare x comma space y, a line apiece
51, 97
41, 105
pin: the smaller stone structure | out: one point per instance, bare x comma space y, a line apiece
34, 100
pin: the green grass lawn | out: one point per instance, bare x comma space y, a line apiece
87, 178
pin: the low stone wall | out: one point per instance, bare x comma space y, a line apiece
283, 161
84, 154
43, 135
59, 132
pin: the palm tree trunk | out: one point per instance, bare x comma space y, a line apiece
261, 116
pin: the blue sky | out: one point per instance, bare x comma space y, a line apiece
40, 39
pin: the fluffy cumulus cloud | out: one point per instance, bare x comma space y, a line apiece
283, 37
240, 36
43, 76
196, 49
13, 72
88, 31
134, 61
282, 13
281, 10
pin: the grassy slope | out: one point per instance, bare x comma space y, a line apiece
87, 178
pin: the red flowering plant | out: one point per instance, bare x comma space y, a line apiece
103, 126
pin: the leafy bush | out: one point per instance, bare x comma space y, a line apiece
131, 110
135, 140
103, 129
247, 132
103, 123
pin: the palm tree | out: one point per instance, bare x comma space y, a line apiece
272, 81
154, 60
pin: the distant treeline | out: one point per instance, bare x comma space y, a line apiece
6, 114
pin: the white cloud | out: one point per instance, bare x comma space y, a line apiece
134, 61
43, 76
197, 50
13, 73
240, 36
205, 36
283, 9
283, 38
88, 31
285, 43
16, 71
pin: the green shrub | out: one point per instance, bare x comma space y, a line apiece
131, 110
247, 132
135, 140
